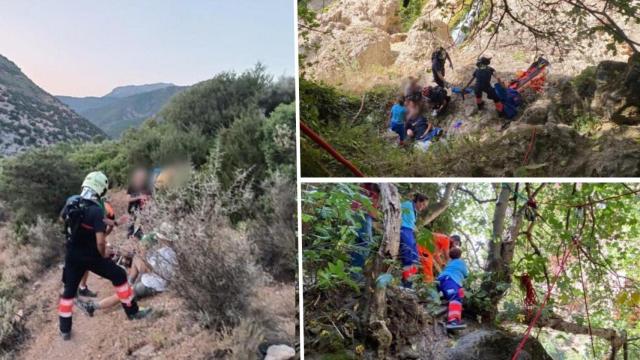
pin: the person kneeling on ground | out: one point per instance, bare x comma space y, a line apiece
416, 125
149, 273
451, 279
438, 98
397, 118
413, 91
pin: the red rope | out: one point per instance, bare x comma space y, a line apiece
530, 299
565, 257
333, 152
531, 143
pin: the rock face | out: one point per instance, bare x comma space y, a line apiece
355, 35
617, 96
30, 117
495, 345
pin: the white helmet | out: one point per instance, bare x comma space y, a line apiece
98, 182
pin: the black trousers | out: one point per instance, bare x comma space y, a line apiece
437, 79
74, 268
487, 89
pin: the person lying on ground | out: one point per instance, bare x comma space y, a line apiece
438, 58
86, 251
418, 127
412, 91
482, 76
149, 273
438, 98
397, 118
410, 210
138, 194
450, 284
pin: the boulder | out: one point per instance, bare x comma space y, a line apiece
495, 345
536, 113
617, 97
361, 45
280, 352
382, 14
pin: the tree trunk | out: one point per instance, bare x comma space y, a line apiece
500, 254
556, 322
437, 209
389, 249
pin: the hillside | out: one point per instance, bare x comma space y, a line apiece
123, 107
357, 58
30, 117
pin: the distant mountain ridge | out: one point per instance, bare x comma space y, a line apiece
124, 107
129, 90
31, 117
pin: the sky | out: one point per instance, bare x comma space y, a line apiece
86, 48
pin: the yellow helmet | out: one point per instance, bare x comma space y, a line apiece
96, 181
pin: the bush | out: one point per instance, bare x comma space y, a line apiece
279, 141
214, 104
273, 231
37, 183
33, 251
10, 326
216, 276
585, 83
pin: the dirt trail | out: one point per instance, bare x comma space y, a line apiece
168, 333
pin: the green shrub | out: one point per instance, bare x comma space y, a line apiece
409, 14
279, 139
585, 83
214, 104
37, 183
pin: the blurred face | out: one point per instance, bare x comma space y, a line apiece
139, 178
420, 206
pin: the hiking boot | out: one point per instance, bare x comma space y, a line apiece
66, 336
87, 293
456, 325
87, 306
141, 314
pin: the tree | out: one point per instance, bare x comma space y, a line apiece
561, 24
509, 230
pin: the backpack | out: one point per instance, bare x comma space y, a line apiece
73, 215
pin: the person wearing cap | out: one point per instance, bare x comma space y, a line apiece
438, 59
482, 76
150, 271
85, 230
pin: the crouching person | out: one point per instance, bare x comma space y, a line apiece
149, 274
451, 279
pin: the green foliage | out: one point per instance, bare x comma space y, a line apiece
240, 147
604, 216
331, 227
36, 183
585, 82
279, 139
214, 104
409, 14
